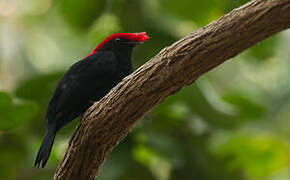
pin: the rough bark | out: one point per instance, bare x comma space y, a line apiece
108, 121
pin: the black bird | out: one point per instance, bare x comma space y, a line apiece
87, 81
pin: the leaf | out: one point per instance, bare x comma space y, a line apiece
12, 154
264, 50
247, 107
159, 166
231, 4
5, 99
104, 26
15, 114
38, 88
201, 12
259, 156
82, 14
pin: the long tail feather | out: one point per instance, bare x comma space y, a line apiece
45, 149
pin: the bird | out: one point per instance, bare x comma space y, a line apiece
86, 82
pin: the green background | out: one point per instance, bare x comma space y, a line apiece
233, 123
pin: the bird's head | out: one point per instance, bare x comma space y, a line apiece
122, 41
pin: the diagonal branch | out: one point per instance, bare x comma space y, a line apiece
108, 121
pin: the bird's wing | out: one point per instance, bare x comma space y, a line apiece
79, 84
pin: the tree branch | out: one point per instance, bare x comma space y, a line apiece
108, 121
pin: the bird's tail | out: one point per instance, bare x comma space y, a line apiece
45, 149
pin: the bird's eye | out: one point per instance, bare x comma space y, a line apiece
117, 39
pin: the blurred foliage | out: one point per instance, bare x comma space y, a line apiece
15, 114
233, 123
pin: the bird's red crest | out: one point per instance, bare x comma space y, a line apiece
138, 37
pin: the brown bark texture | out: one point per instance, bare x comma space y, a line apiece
109, 120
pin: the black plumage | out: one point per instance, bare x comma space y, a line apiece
86, 82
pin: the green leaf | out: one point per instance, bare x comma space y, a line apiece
104, 26
258, 156
264, 50
231, 4
82, 14
38, 88
13, 114
159, 166
12, 154
247, 107
5, 99
201, 12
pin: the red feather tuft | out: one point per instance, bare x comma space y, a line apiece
137, 37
